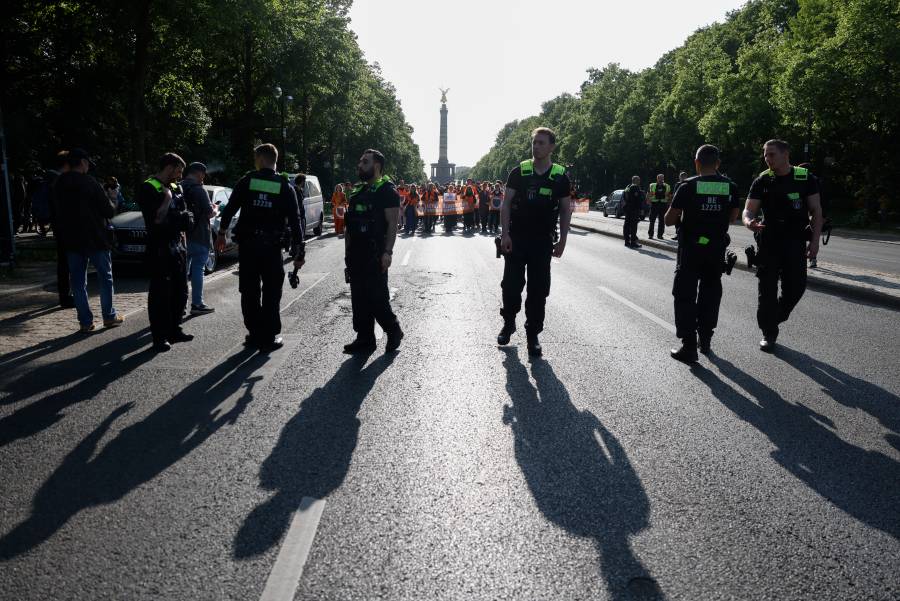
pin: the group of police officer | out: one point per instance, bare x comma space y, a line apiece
535, 217
787, 233
269, 209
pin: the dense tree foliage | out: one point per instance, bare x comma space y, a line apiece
819, 73
130, 80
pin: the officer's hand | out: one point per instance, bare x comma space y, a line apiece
559, 248
299, 262
220, 242
506, 244
813, 249
385, 262
756, 225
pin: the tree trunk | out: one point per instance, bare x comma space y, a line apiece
136, 101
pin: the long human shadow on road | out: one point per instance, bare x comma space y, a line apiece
848, 390
859, 482
313, 453
91, 372
137, 454
579, 474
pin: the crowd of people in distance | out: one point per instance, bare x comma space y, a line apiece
423, 206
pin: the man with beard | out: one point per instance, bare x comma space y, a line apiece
372, 216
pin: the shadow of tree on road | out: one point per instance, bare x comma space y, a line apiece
313, 453
579, 474
859, 482
137, 454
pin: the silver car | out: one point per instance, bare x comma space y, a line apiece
131, 232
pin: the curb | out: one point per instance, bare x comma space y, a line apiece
812, 281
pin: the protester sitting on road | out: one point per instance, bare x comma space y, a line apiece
85, 209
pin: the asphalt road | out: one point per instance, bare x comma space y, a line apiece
846, 248
454, 469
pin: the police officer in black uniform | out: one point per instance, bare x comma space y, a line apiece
267, 202
682, 176
659, 196
371, 229
167, 220
705, 205
788, 233
633, 197
537, 196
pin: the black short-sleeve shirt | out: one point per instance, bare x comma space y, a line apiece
385, 197
533, 214
783, 201
706, 203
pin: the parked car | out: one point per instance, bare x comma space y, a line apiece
131, 232
601, 204
615, 207
312, 216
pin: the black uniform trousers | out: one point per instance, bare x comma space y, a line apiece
785, 261
260, 280
369, 295
657, 212
168, 292
629, 229
531, 255
698, 291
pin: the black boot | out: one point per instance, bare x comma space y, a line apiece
767, 344
534, 346
688, 351
393, 339
509, 326
272, 344
705, 340
179, 336
359, 346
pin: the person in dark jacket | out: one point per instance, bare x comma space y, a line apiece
85, 209
199, 240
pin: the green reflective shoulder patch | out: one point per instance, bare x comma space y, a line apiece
157, 185
264, 185
801, 174
526, 167
713, 188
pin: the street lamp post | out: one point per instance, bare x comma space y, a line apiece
284, 100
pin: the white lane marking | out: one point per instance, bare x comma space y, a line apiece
285, 575
406, 258
378, 331
299, 296
640, 310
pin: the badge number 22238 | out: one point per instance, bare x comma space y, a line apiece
262, 201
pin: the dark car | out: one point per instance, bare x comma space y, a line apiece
131, 233
615, 207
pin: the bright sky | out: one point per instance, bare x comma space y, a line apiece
485, 52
